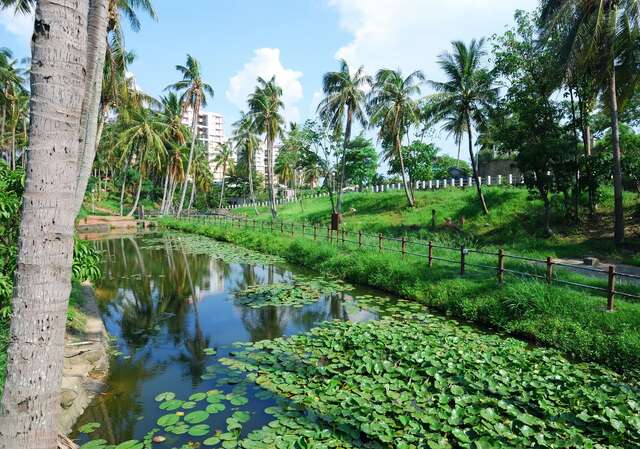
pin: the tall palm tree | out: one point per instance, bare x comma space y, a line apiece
202, 176
193, 97
604, 31
265, 105
246, 139
393, 107
463, 100
145, 135
11, 94
223, 160
344, 101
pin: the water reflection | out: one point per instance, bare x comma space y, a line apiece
164, 306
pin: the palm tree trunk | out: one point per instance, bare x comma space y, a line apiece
124, 183
193, 194
576, 188
165, 191
224, 171
96, 52
135, 202
251, 192
194, 131
474, 167
618, 234
271, 187
30, 401
407, 191
3, 121
343, 162
13, 147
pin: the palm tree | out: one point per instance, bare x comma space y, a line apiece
393, 108
12, 94
246, 140
265, 105
344, 97
176, 137
604, 31
223, 160
286, 165
202, 176
145, 134
193, 97
463, 100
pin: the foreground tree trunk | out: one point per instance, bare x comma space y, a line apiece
224, 171
124, 184
193, 195
343, 164
618, 231
474, 168
251, 191
31, 399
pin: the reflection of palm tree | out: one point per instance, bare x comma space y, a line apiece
265, 323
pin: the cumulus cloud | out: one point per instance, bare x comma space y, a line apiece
16, 23
266, 63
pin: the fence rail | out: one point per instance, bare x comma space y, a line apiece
547, 270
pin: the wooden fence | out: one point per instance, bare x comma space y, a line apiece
608, 282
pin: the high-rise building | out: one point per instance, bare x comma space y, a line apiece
210, 133
261, 157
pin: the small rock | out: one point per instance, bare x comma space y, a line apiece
67, 397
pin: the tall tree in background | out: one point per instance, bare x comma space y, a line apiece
11, 91
223, 160
265, 104
466, 95
245, 136
193, 96
65, 89
612, 28
176, 138
393, 108
344, 102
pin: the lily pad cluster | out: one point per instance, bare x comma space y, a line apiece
300, 292
426, 383
195, 244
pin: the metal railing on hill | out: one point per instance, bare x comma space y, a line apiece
608, 282
508, 180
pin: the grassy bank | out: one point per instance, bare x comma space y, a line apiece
514, 222
558, 317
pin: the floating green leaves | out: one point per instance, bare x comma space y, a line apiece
131, 444
199, 430
173, 404
168, 420
94, 444
280, 294
89, 427
196, 417
421, 381
166, 396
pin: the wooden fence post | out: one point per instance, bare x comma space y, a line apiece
380, 244
281, 227
329, 233
272, 225
463, 253
501, 266
315, 232
404, 247
611, 293
303, 226
343, 231
360, 239
549, 270
293, 230
430, 254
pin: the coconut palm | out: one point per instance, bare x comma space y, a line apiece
393, 108
265, 105
12, 94
223, 160
344, 102
145, 134
246, 139
193, 96
463, 99
202, 177
604, 31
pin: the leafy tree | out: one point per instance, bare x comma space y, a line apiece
193, 96
607, 33
246, 139
344, 102
223, 160
462, 102
361, 161
265, 104
442, 166
394, 109
418, 160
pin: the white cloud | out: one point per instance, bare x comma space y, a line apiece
266, 63
16, 23
410, 34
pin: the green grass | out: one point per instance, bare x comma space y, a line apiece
514, 222
572, 321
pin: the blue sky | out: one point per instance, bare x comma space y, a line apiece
297, 40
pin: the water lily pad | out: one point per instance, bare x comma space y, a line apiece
94, 444
211, 441
196, 417
89, 427
172, 404
168, 420
131, 444
197, 397
215, 408
199, 430
166, 396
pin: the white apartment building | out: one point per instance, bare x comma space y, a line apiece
210, 132
261, 157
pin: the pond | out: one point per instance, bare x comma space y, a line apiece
219, 346
168, 302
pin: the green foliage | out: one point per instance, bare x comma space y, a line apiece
297, 294
361, 161
572, 321
419, 158
442, 166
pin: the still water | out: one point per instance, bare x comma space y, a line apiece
168, 302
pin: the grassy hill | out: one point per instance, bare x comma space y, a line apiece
514, 222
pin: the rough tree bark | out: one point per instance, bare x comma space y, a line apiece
31, 399
474, 168
271, 187
194, 131
618, 232
337, 216
407, 191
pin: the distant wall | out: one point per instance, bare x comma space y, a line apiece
499, 167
